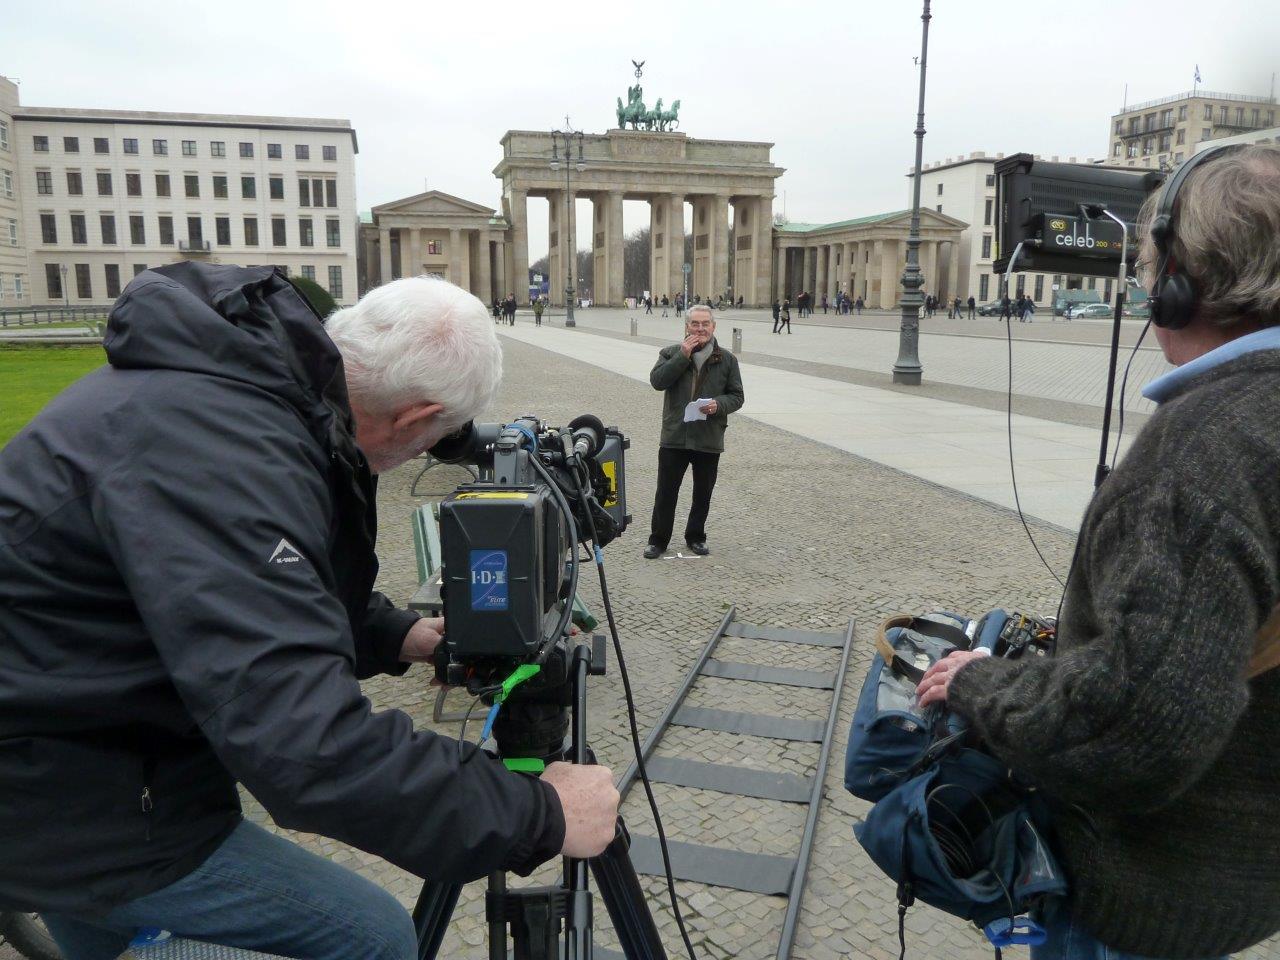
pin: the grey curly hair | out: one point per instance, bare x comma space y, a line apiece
1226, 237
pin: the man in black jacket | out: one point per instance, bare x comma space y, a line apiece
1149, 730
186, 601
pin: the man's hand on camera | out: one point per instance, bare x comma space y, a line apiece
691, 343
422, 639
590, 805
936, 682
710, 407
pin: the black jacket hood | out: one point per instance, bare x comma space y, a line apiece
243, 323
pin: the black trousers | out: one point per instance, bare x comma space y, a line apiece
672, 464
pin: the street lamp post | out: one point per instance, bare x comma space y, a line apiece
66, 295
908, 369
568, 136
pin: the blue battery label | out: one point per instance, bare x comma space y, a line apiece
489, 580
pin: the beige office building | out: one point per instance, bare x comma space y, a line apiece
104, 194
965, 188
1164, 132
15, 282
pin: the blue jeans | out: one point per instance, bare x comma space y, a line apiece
260, 892
1069, 941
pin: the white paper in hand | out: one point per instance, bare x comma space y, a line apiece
691, 411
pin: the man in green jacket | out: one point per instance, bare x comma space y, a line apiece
701, 386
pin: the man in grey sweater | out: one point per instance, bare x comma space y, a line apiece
1162, 758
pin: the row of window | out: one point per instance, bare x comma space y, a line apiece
1150, 122
195, 230
53, 274
4, 135
312, 191
19, 286
190, 148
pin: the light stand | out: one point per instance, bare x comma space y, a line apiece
907, 369
569, 135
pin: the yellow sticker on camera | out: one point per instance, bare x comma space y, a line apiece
610, 469
491, 495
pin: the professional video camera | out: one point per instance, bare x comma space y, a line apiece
509, 549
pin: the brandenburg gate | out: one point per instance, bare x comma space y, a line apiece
666, 169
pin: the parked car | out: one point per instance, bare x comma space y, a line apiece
1140, 309
1079, 311
991, 309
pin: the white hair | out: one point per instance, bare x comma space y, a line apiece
699, 308
416, 340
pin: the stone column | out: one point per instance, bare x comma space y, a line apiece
606, 246
929, 266
485, 274
555, 247
846, 271
414, 265
876, 249
719, 245
953, 269
764, 252
837, 260
819, 273
517, 276
455, 257
384, 255
780, 290
659, 274
675, 244
807, 272
888, 273
569, 243
499, 270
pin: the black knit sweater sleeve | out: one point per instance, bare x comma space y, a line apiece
1150, 677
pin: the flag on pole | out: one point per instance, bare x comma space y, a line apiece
1197, 73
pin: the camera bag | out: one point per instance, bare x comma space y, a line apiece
950, 824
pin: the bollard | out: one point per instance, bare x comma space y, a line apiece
737, 341
635, 327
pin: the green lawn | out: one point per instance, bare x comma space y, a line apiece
31, 375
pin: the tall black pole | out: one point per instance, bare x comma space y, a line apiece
908, 369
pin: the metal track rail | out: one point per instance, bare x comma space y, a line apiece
764, 874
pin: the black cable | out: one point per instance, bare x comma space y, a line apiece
1124, 385
567, 612
1008, 332
1115, 453
631, 721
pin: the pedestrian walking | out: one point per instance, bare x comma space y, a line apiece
824, 304
777, 309
539, 305
784, 318
973, 306
666, 302
859, 306
648, 305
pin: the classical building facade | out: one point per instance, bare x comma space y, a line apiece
865, 257
1165, 131
665, 169
441, 235
104, 194
15, 280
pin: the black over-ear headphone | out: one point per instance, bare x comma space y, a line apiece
1173, 295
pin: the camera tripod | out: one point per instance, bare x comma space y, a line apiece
533, 724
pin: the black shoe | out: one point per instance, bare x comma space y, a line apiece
700, 548
652, 552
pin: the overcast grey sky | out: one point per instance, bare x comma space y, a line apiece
431, 87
